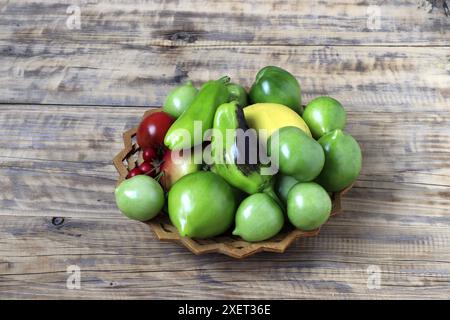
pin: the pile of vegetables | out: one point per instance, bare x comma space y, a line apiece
197, 170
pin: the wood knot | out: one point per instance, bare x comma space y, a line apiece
183, 36
57, 221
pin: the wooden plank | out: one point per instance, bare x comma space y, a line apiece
122, 259
61, 162
367, 78
262, 22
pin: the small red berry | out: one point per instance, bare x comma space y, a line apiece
146, 168
149, 154
134, 172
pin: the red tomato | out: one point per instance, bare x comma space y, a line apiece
152, 130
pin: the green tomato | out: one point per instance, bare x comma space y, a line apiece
179, 99
283, 185
324, 114
237, 93
309, 206
343, 160
258, 218
201, 205
300, 156
276, 85
140, 198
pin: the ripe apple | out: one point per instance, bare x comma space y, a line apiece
178, 163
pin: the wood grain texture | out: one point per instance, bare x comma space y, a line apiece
122, 259
259, 22
396, 217
129, 54
374, 78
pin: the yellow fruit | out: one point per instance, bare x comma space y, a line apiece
271, 117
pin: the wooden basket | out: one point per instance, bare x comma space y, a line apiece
131, 156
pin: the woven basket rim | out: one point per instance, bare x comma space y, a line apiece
228, 245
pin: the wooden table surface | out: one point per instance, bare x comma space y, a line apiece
67, 94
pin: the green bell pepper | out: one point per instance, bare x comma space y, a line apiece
276, 85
